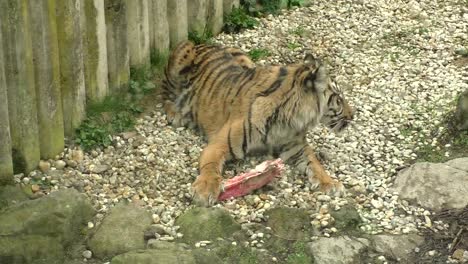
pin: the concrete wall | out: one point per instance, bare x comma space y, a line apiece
56, 56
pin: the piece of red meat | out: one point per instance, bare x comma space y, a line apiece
249, 181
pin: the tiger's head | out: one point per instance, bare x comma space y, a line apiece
336, 112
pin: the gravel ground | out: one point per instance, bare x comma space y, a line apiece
398, 65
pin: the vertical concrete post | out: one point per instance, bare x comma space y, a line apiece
6, 162
160, 24
71, 63
96, 79
228, 5
47, 77
138, 33
215, 16
19, 75
178, 28
197, 16
117, 45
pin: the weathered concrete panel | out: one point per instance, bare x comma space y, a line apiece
178, 27
96, 74
228, 5
19, 75
215, 16
197, 15
6, 162
160, 25
138, 33
47, 74
71, 63
117, 45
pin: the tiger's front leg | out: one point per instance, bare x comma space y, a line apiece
303, 157
207, 186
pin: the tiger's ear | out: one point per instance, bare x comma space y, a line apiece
309, 59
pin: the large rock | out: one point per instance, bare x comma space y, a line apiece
155, 256
39, 231
206, 224
122, 230
396, 247
287, 227
11, 195
461, 114
339, 250
34, 249
347, 218
435, 185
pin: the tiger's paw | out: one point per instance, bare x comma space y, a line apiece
206, 189
328, 185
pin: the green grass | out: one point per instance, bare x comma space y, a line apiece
112, 115
201, 38
462, 52
257, 54
299, 31
293, 46
238, 20
299, 255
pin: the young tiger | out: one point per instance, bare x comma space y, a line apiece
243, 108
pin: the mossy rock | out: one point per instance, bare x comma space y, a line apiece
154, 256
347, 219
25, 249
122, 230
202, 223
11, 195
289, 223
59, 215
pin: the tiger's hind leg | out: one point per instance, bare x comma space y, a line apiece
303, 157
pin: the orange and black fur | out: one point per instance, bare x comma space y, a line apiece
243, 108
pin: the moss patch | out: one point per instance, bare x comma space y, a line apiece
206, 224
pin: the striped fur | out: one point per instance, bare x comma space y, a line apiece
243, 108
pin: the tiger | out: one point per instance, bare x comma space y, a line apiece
244, 109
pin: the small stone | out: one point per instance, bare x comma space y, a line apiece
77, 155
44, 166
431, 253
323, 198
234, 243
26, 180
90, 225
35, 188
87, 254
60, 164
458, 254
156, 218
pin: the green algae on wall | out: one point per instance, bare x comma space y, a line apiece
138, 33
117, 45
159, 27
71, 64
96, 79
6, 163
47, 77
177, 17
19, 76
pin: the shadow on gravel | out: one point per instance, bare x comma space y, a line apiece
445, 243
